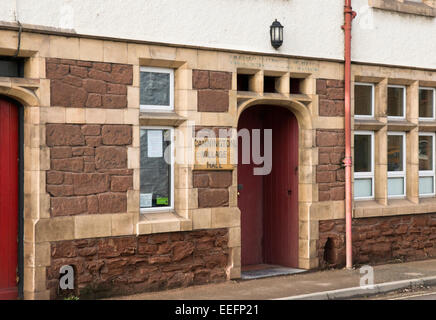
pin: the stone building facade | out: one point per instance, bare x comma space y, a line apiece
81, 167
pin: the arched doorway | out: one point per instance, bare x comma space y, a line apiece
9, 198
269, 203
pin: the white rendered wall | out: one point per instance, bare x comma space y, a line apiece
312, 27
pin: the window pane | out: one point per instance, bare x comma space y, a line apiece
395, 153
426, 185
363, 100
426, 103
155, 171
362, 153
395, 186
155, 88
425, 153
395, 102
362, 188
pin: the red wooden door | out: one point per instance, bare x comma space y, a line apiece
269, 204
8, 199
281, 191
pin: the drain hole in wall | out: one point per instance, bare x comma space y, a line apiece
329, 251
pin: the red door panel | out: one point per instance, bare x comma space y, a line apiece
269, 204
250, 199
8, 199
281, 191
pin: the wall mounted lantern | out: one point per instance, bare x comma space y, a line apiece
276, 33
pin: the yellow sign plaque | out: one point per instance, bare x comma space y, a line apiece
214, 154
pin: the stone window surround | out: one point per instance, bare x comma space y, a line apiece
426, 8
412, 203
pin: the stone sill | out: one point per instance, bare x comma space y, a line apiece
427, 126
170, 119
409, 7
371, 208
162, 221
370, 124
400, 125
243, 96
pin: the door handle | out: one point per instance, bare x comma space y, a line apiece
289, 192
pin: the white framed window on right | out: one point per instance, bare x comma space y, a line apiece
427, 104
156, 89
426, 164
396, 164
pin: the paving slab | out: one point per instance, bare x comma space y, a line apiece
294, 285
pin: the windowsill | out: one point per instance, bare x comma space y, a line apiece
367, 124
427, 125
409, 7
400, 125
153, 118
162, 221
372, 208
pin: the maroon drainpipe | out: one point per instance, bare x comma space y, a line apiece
349, 14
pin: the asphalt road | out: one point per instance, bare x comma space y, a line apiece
420, 296
417, 294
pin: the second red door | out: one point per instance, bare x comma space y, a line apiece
8, 199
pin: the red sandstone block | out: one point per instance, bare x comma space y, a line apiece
116, 89
60, 190
121, 184
56, 71
114, 101
102, 66
335, 83
60, 152
66, 206
71, 165
200, 79
65, 95
117, 135
220, 179
325, 176
112, 202
84, 63
213, 101
111, 158
93, 101
54, 177
122, 74
208, 198
73, 80
200, 179
91, 129
90, 183
321, 86
220, 80
94, 86
335, 93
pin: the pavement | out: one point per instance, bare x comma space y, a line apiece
330, 284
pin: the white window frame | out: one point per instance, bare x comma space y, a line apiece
404, 102
429, 173
434, 105
148, 107
172, 143
398, 174
366, 175
357, 116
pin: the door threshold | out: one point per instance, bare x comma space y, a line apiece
266, 271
